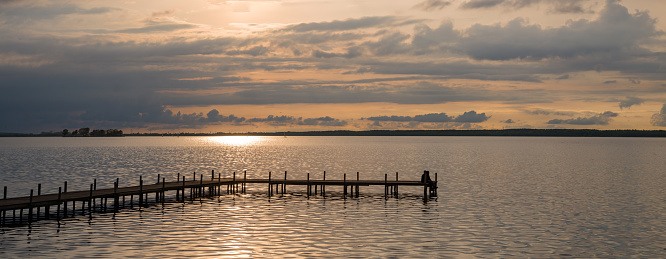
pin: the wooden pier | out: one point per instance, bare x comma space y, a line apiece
28, 209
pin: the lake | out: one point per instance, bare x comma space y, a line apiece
498, 197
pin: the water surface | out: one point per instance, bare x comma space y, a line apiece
498, 197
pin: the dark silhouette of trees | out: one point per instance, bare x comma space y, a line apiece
85, 132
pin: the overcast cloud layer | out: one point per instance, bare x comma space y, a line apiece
267, 66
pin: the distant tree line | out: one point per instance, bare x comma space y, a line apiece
501, 133
85, 132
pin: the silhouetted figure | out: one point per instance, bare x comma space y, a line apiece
425, 178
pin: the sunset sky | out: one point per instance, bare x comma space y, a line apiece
300, 65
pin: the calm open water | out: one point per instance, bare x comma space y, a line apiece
498, 197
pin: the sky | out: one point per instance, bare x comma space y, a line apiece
310, 65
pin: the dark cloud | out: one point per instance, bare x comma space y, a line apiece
390, 44
285, 120
615, 31
509, 121
352, 52
432, 5
273, 119
19, 14
549, 112
427, 40
253, 51
558, 6
215, 116
471, 117
323, 121
467, 117
157, 28
610, 82
569, 6
474, 4
630, 101
659, 119
599, 119
432, 117
349, 24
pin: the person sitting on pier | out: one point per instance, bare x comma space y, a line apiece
425, 178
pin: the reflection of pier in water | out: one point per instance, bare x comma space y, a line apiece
97, 200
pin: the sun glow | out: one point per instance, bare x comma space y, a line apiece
236, 140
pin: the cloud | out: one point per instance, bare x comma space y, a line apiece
273, 119
474, 4
323, 121
568, 6
431, 117
157, 28
215, 116
285, 120
558, 6
343, 25
471, 117
509, 121
254, 51
467, 117
659, 119
630, 101
352, 52
432, 5
20, 14
427, 40
599, 119
615, 31
390, 44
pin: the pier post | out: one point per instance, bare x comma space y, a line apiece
357, 184
219, 184
270, 187
284, 184
244, 185
90, 208
64, 204
396, 184
74, 208
323, 186
182, 191
178, 191
157, 192
58, 207
344, 185
425, 191
163, 189
192, 191
30, 208
39, 192
234, 185
115, 197
4, 212
386, 185
201, 193
210, 187
140, 191
308, 186
433, 189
